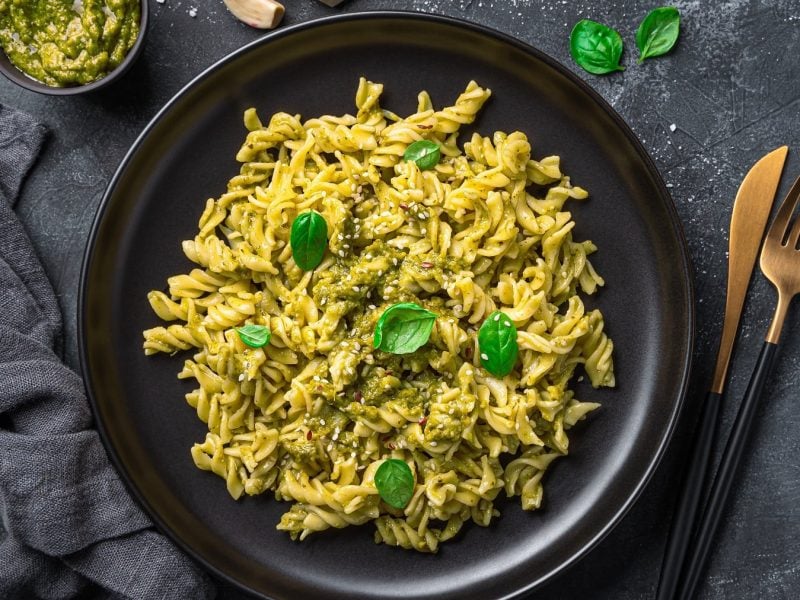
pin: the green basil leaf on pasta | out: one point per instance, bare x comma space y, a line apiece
395, 482
308, 239
497, 342
423, 152
658, 32
403, 328
596, 47
255, 336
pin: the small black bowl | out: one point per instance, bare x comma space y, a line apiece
8, 68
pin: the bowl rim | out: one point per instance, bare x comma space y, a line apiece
22, 79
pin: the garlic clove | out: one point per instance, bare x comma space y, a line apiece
262, 14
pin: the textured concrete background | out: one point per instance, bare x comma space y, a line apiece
731, 89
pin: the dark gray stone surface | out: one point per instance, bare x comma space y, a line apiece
730, 91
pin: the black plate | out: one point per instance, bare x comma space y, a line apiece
186, 155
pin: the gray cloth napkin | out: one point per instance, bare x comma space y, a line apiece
69, 528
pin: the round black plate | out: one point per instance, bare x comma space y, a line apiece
186, 155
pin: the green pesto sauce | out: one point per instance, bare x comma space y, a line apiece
68, 42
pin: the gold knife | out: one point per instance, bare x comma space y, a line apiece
751, 211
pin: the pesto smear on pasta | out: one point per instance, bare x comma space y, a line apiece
314, 413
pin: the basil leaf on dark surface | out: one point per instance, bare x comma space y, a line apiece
497, 342
658, 32
254, 336
395, 482
423, 152
308, 239
403, 328
596, 47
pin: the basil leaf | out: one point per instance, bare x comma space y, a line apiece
497, 341
395, 482
403, 328
254, 336
658, 32
423, 152
309, 238
596, 47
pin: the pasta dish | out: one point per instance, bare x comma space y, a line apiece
383, 323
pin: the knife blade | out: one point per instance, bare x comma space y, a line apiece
751, 210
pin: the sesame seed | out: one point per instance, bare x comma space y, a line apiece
433, 444
241, 376
507, 323
496, 317
372, 307
356, 288
484, 356
341, 253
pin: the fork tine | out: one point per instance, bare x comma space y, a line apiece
777, 232
794, 235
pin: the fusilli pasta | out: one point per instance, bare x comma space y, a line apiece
312, 415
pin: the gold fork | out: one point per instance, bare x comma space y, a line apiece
780, 263
780, 260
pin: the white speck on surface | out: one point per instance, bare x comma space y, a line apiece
673, 127
193, 11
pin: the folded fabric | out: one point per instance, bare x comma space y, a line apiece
69, 527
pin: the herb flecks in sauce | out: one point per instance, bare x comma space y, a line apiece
68, 42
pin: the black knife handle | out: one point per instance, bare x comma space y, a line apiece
731, 457
690, 501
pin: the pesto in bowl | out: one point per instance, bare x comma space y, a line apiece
65, 43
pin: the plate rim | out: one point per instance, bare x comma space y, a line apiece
685, 269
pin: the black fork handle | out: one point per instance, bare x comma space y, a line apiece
731, 457
690, 503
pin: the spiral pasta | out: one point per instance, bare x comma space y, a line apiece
312, 415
